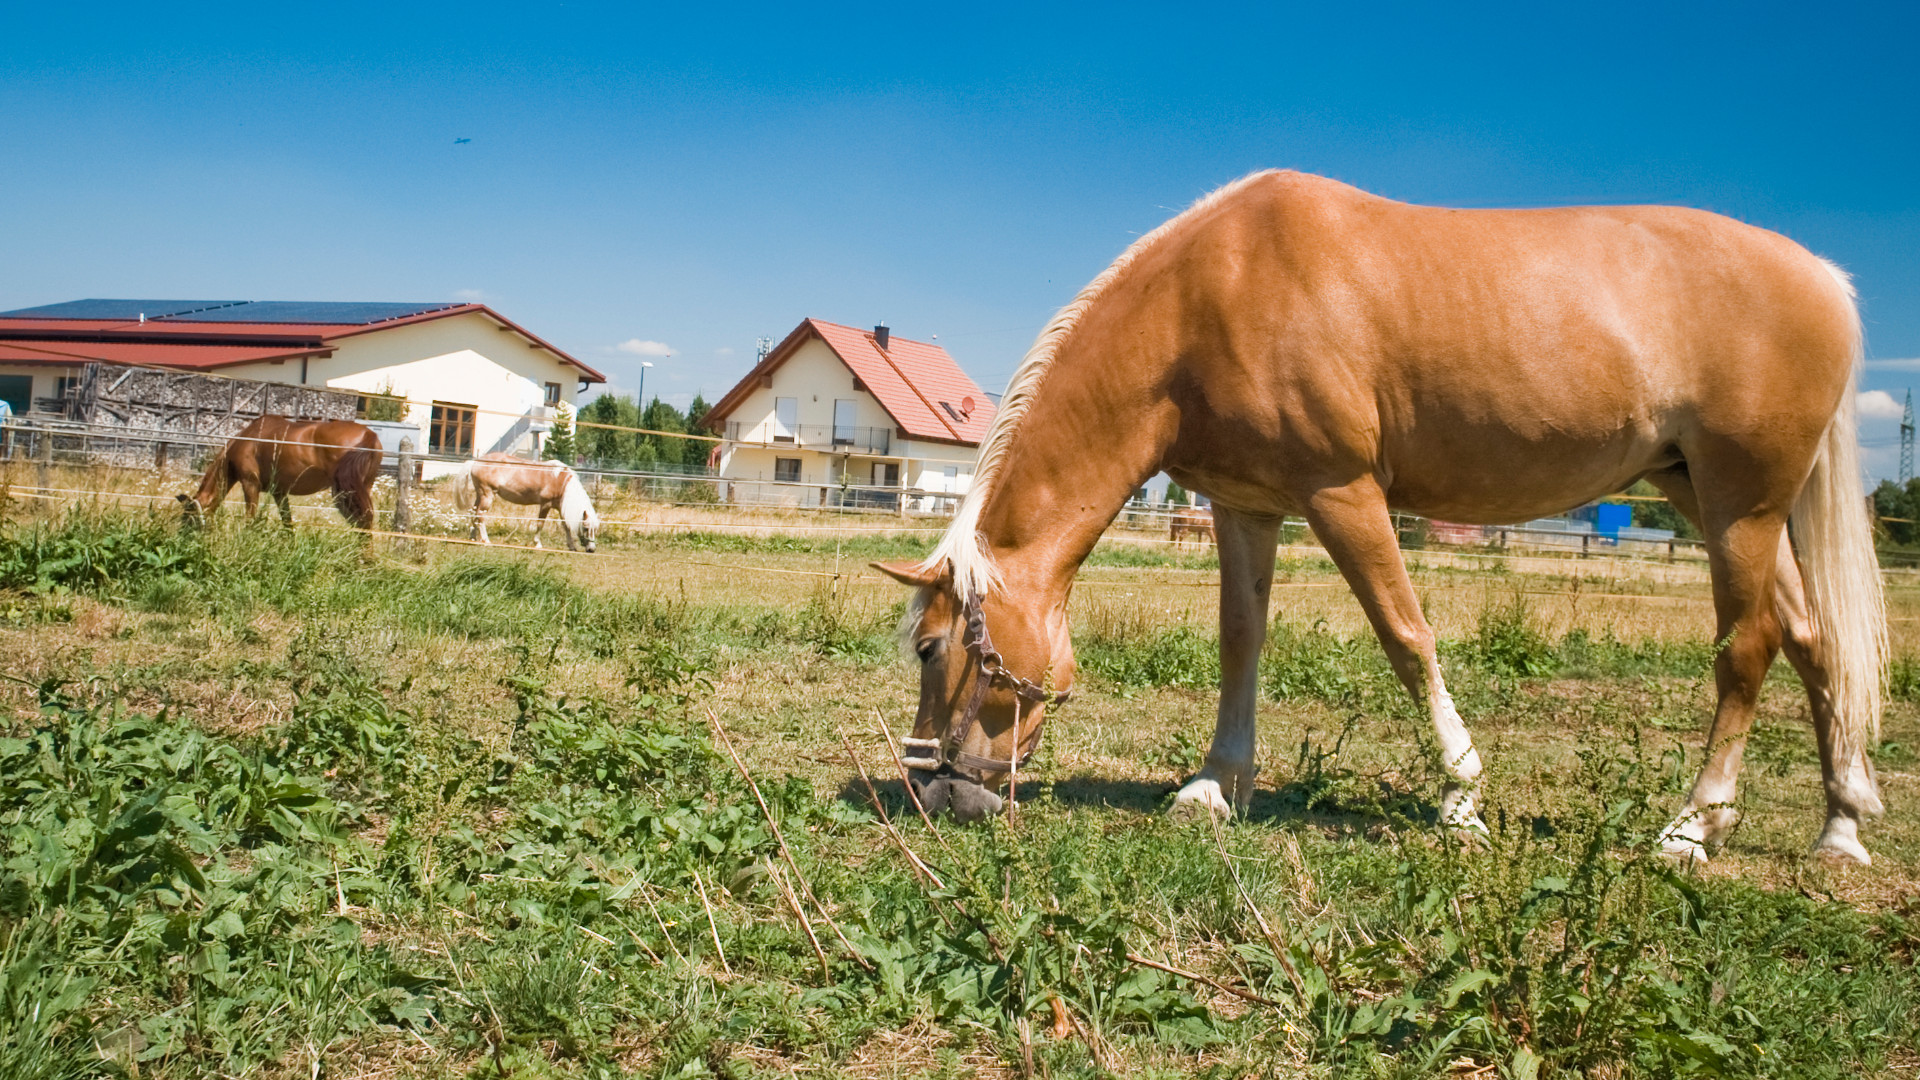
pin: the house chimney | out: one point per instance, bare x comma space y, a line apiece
880, 335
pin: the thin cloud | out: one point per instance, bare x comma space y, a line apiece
469, 296
1878, 405
1909, 363
640, 347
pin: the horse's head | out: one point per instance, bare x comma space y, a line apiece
577, 514
984, 666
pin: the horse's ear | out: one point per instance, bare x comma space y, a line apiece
911, 573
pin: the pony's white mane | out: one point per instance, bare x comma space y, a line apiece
973, 567
575, 506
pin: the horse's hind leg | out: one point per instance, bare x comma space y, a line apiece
482, 502
1354, 525
1853, 792
1225, 782
1743, 555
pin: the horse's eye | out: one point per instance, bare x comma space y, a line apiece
927, 648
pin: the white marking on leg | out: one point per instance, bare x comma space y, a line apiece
1202, 795
1460, 760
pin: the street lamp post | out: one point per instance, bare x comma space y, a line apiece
643, 389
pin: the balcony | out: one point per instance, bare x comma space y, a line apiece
824, 438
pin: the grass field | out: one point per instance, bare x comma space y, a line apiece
300, 805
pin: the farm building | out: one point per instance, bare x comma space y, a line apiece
473, 381
836, 415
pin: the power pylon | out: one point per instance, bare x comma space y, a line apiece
1906, 441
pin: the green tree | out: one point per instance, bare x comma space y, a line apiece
1176, 494
1659, 515
1896, 507
695, 451
561, 445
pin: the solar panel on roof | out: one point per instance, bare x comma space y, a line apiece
313, 311
261, 311
119, 309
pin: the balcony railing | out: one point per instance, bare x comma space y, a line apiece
826, 438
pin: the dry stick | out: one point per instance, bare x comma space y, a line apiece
907, 782
785, 852
1273, 939
1135, 958
886, 823
1013, 769
647, 895
786, 893
711, 925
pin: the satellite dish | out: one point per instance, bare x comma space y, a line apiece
966, 405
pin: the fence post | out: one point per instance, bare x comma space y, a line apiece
160, 460
402, 489
1586, 544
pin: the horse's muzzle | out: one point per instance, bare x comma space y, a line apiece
969, 800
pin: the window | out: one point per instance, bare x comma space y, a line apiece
842, 422
886, 475
952, 478
451, 432
64, 383
17, 391
553, 394
786, 418
786, 470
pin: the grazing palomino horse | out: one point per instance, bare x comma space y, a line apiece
1292, 345
285, 457
1190, 521
551, 484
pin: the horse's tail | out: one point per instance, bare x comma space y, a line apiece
1833, 539
463, 488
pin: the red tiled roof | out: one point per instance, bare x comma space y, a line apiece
917, 383
147, 353
181, 342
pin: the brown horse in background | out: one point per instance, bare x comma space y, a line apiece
285, 457
1192, 522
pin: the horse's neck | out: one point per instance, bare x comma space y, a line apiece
1079, 453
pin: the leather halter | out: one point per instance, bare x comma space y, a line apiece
988, 669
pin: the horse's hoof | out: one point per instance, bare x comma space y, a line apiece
1683, 851
1472, 832
1840, 842
1201, 797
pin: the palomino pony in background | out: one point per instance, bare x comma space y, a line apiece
1292, 345
550, 484
1192, 522
284, 457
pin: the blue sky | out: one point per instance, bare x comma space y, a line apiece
701, 178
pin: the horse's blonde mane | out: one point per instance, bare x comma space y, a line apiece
959, 548
575, 505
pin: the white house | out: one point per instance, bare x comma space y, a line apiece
838, 415
473, 381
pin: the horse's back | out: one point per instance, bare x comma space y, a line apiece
1576, 347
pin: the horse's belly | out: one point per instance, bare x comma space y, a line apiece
1509, 479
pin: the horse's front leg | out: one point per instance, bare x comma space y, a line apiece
286, 508
250, 491
1354, 525
540, 526
1225, 782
